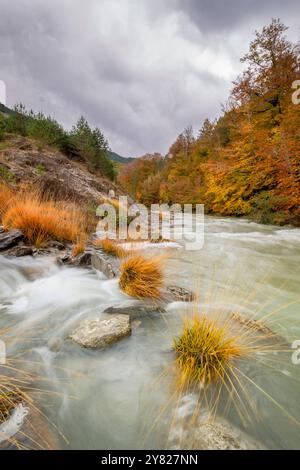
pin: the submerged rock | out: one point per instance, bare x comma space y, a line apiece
135, 311
99, 333
10, 239
55, 344
214, 435
180, 293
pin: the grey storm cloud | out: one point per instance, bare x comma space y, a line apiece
141, 70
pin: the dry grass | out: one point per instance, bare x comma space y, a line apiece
6, 197
41, 220
111, 248
141, 277
206, 349
79, 248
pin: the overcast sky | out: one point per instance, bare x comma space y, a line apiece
141, 70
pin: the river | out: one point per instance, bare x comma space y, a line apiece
117, 398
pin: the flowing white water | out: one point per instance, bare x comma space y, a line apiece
114, 398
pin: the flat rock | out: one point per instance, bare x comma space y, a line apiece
180, 293
10, 239
98, 333
135, 311
21, 251
101, 264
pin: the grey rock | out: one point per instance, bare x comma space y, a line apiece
21, 251
99, 333
84, 259
101, 264
180, 293
135, 311
10, 239
63, 259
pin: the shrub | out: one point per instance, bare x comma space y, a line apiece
141, 277
2, 127
6, 175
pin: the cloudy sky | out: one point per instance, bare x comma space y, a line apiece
141, 70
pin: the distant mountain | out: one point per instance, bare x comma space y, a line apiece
115, 157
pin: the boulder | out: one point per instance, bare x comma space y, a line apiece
135, 311
10, 239
180, 293
98, 333
101, 264
21, 251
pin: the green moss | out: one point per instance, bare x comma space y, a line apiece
6, 175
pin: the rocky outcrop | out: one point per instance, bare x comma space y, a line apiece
10, 239
56, 174
136, 311
99, 333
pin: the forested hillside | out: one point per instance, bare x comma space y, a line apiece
247, 162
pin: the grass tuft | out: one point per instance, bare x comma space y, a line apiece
141, 277
111, 248
41, 221
206, 350
78, 248
6, 197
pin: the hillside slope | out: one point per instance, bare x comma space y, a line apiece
22, 161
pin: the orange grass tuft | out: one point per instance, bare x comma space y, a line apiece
205, 349
111, 248
78, 248
141, 277
6, 197
41, 221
